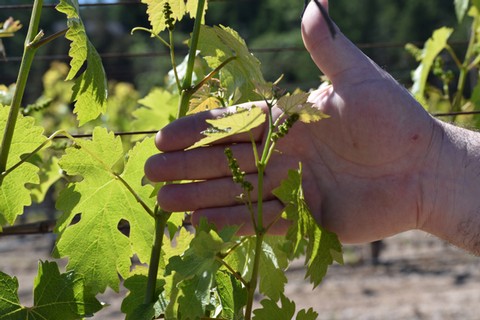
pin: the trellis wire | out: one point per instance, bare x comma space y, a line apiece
119, 55
92, 4
52, 5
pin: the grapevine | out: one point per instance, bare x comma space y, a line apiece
111, 229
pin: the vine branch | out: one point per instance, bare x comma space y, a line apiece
25, 66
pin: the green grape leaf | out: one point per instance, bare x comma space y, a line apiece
55, 296
200, 70
323, 247
134, 306
159, 109
195, 296
179, 246
461, 7
156, 15
240, 76
90, 88
174, 223
309, 314
199, 257
432, 48
95, 246
240, 121
272, 272
194, 272
297, 103
10, 307
233, 296
171, 249
51, 173
241, 259
204, 99
14, 196
273, 259
270, 310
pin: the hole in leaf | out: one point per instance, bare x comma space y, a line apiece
76, 219
124, 227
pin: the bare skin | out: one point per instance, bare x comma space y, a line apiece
378, 166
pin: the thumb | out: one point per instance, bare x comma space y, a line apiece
337, 57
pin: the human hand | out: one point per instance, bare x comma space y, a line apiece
363, 168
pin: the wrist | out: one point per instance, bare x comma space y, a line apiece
452, 187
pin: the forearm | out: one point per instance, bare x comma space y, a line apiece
454, 210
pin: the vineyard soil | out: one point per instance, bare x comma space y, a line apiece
418, 277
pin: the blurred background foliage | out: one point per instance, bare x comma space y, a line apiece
270, 27
136, 63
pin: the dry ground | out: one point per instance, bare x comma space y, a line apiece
418, 277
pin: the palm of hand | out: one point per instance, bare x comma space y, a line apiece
362, 167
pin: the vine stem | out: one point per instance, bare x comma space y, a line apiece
464, 68
254, 280
260, 229
211, 74
161, 218
187, 81
172, 58
33, 37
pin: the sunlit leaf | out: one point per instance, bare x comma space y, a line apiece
96, 247
297, 103
50, 174
203, 100
432, 48
240, 121
159, 109
90, 88
239, 76
14, 196
156, 15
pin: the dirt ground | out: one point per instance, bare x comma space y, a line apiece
417, 277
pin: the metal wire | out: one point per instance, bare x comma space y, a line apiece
93, 4
52, 6
458, 113
126, 133
120, 55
